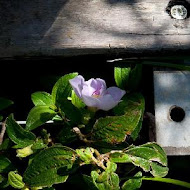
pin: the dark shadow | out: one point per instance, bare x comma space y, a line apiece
120, 1
29, 20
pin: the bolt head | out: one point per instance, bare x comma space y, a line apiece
178, 12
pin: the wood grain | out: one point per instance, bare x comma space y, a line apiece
76, 27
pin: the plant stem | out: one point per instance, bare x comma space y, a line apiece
168, 180
3, 129
81, 136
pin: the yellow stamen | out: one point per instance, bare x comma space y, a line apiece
95, 96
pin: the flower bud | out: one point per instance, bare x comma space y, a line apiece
24, 152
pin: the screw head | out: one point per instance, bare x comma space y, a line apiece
178, 12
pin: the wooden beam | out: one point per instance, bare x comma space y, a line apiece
75, 27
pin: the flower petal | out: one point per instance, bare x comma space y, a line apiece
97, 86
90, 101
101, 84
88, 88
77, 85
116, 93
106, 102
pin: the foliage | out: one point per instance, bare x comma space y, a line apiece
81, 139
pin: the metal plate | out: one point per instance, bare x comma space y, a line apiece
172, 89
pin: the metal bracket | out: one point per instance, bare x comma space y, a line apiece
172, 111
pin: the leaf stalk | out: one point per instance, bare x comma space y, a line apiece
168, 180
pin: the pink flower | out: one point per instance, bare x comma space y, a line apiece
95, 94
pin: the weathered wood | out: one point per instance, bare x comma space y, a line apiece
73, 27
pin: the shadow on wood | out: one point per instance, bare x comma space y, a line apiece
73, 27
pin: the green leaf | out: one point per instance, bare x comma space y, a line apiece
38, 116
5, 165
114, 129
159, 150
60, 93
135, 77
4, 103
62, 89
120, 157
150, 157
86, 155
50, 166
7, 143
149, 151
71, 112
89, 182
17, 134
157, 170
107, 180
132, 102
1, 179
111, 167
3, 182
57, 118
15, 180
41, 98
76, 101
135, 133
121, 75
1, 117
127, 76
38, 144
67, 135
133, 183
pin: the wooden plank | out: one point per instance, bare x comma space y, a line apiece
75, 27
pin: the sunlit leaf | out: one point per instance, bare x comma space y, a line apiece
133, 183
17, 134
38, 144
50, 166
114, 129
121, 75
41, 98
15, 180
76, 101
134, 101
150, 157
38, 116
86, 154
62, 89
128, 75
107, 179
